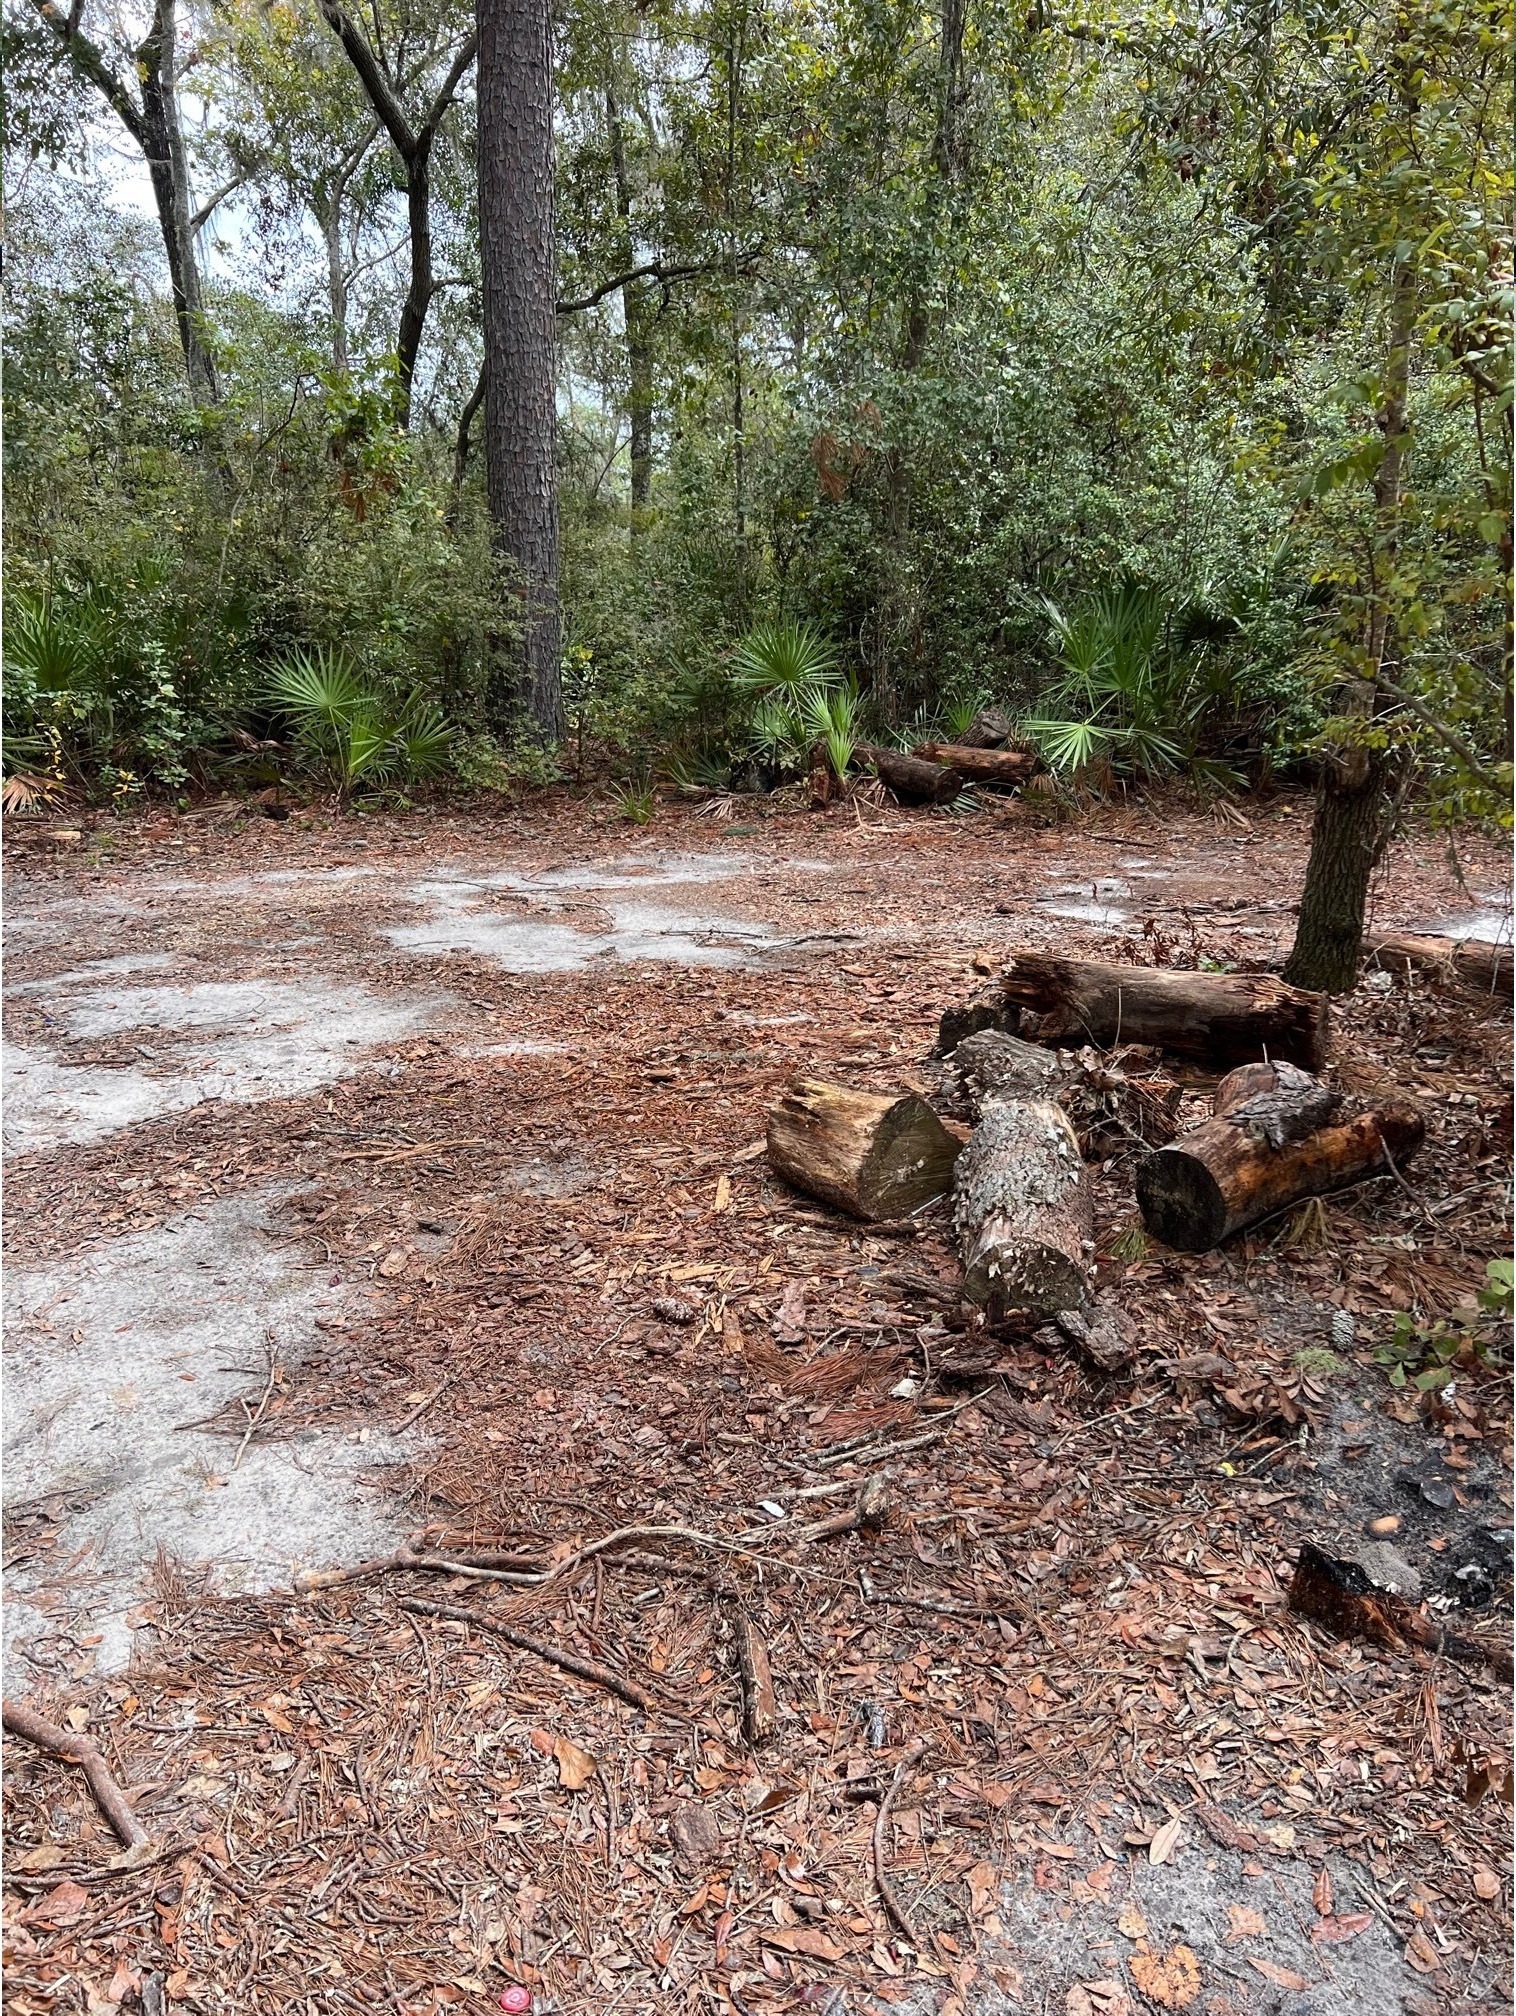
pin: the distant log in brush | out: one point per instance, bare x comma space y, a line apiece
980, 766
1021, 1209
1472, 961
1263, 1149
878, 1158
1222, 1018
913, 781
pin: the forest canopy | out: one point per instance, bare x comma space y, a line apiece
1142, 370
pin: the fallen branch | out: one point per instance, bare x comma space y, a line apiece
887, 1893
81, 1750
756, 1675
868, 1514
586, 1669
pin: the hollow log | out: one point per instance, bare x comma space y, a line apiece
875, 1157
1248, 1160
913, 781
1473, 961
980, 766
1223, 1018
1022, 1211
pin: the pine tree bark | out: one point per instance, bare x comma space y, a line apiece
520, 348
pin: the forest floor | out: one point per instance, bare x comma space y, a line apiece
349, 1159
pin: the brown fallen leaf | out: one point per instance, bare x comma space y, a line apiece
1321, 1893
789, 1319
1130, 1922
1171, 1979
49, 1855
807, 1939
1486, 1882
1282, 1977
1421, 1953
1244, 1923
1166, 1840
576, 1767
1334, 1931
392, 1264
984, 1887
64, 1905
697, 1838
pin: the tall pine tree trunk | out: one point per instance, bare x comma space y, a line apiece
520, 409
1356, 799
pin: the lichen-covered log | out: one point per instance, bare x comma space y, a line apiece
1223, 1018
913, 781
991, 1063
1021, 1209
1471, 961
980, 766
876, 1157
1258, 1154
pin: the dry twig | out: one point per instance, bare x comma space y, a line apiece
888, 1895
83, 1751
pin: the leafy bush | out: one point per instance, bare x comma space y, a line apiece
346, 729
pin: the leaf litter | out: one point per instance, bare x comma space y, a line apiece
1123, 1757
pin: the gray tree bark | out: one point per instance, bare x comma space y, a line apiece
520, 350
636, 314
154, 125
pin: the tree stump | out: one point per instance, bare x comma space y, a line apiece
875, 1157
1269, 1143
912, 781
1021, 1209
1223, 1018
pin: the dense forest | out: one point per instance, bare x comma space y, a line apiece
666, 392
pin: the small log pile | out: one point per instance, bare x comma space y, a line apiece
935, 772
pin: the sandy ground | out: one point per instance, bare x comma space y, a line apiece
353, 1163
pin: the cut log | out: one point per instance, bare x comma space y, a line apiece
990, 1064
878, 1158
1223, 1018
1473, 961
913, 781
1021, 1209
987, 1010
1277, 1103
1246, 1163
980, 766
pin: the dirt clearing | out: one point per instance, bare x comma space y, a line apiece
394, 1184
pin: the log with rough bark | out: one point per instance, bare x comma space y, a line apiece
1223, 1018
1264, 1148
980, 766
1022, 1210
913, 781
876, 1157
1472, 961
991, 1063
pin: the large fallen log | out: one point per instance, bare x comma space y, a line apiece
980, 766
876, 1157
1473, 961
1022, 1211
913, 781
1265, 1148
1223, 1018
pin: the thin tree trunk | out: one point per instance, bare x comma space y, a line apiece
1356, 797
520, 317
637, 320
154, 126
735, 52
899, 621
413, 144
